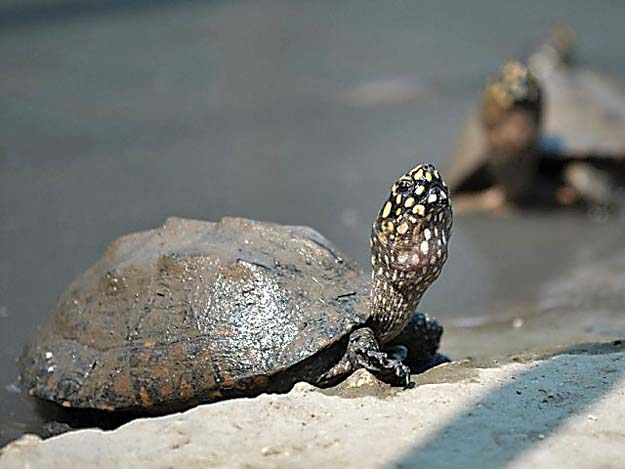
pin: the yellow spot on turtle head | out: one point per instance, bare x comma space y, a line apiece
428, 176
420, 190
398, 212
388, 226
419, 210
398, 199
437, 174
512, 71
418, 174
401, 229
409, 202
387, 209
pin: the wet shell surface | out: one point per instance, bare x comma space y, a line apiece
196, 311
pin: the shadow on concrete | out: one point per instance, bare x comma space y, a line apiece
464, 442
41, 12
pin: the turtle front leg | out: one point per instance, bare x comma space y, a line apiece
590, 185
363, 351
421, 339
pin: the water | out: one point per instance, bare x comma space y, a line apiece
115, 116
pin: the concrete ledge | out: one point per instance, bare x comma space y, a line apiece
564, 411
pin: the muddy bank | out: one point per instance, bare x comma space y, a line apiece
565, 410
580, 304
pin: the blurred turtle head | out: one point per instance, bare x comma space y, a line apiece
511, 112
513, 87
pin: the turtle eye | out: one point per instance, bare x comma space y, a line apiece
404, 186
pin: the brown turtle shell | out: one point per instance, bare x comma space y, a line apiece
196, 311
584, 119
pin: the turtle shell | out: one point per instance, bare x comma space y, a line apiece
195, 311
584, 119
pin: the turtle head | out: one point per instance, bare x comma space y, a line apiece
512, 88
408, 246
511, 112
413, 226
511, 109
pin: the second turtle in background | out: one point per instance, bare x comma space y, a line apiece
550, 136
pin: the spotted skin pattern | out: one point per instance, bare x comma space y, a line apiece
512, 87
409, 242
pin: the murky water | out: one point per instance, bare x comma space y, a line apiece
113, 118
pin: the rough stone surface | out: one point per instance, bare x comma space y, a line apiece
564, 411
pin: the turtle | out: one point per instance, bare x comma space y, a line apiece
548, 134
196, 311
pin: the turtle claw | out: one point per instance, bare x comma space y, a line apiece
365, 353
406, 371
401, 372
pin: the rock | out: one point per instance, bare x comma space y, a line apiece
362, 378
562, 411
360, 384
303, 388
